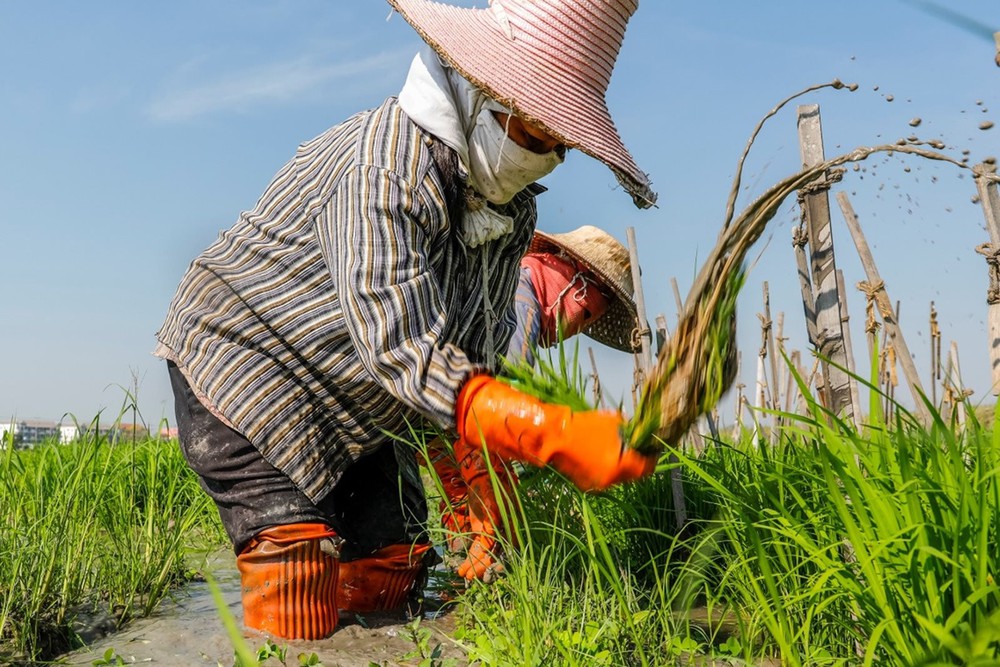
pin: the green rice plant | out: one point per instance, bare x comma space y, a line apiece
829, 547
559, 380
90, 528
870, 548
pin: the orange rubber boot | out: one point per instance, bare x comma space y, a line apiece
382, 581
586, 447
289, 581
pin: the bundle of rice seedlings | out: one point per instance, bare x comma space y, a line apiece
697, 365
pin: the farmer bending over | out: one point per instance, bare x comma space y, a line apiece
577, 282
371, 289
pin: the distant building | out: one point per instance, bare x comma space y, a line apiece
29, 433
68, 433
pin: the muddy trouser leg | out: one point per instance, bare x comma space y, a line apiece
378, 504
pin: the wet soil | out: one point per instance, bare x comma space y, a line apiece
187, 630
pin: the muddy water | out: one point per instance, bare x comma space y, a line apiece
187, 631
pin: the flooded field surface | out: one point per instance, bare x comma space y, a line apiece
188, 631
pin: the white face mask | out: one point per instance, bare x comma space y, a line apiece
498, 167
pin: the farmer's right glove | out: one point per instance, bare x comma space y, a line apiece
586, 447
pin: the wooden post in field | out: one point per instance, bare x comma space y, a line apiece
889, 316
799, 240
662, 333
986, 182
781, 382
644, 334
845, 319
677, 297
738, 416
598, 393
816, 208
769, 342
646, 365
935, 354
955, 391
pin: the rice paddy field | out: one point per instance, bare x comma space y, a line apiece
816, 543
93, 535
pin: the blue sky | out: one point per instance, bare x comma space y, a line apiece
133, 133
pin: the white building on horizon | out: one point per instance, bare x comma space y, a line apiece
28, 433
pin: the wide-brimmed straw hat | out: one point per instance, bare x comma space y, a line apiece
550, 61
601, 254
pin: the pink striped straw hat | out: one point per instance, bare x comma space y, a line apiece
548, 60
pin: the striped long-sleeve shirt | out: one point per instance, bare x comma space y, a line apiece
345, 306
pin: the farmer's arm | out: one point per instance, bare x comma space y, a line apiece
376, 236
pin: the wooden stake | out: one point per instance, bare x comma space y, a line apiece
799, 240
881, 298
772, 352
677, 297
645, 335
957, 393
661, 333
598, 393
986, 182
845, 319
816, 208
935, 354
738, 421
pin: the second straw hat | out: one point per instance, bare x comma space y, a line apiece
608, 259
548, 60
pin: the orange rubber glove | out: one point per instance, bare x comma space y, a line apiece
586, 447
472, 511
483, 515
481, 560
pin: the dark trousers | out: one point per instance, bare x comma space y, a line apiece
379, 501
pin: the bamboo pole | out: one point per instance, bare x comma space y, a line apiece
646, 365
816, 208
889, 316
986, 183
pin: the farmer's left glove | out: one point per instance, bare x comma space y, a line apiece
476, 492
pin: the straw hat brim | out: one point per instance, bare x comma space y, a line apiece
513, 72
616, 328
